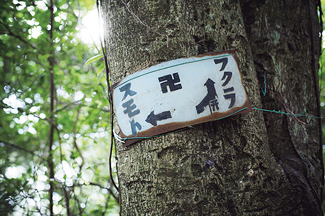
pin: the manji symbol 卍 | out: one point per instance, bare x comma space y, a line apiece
171, 82
179, 93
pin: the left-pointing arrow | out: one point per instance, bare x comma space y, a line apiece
152, 118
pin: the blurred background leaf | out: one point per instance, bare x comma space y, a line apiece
81, 113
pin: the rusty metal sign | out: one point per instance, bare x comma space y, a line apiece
179, 93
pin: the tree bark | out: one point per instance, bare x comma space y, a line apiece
258, 163
51, 133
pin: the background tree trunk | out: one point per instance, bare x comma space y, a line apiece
258, 163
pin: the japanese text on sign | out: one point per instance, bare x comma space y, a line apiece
179, 93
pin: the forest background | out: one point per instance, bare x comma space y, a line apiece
55, 114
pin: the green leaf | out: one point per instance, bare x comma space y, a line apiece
43, 58
100, 69
93, 59
19, 15
24, 72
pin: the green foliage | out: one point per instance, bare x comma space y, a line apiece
81, 113
100, 69
95, 58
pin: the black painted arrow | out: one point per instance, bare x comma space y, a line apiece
152, 118
210, 96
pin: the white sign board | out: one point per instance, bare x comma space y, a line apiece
179, 93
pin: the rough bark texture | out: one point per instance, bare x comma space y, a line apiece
257, 163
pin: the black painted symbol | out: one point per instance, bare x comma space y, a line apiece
129, 107
134, 126
170, 81
211, 95
128, 91
152, 118
233, 99
224, 62
226, 75
228, 90
214, 105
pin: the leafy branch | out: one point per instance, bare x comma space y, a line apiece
17, 36
17, 147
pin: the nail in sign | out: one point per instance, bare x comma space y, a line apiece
179, 93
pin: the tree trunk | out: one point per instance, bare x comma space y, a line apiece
258, 163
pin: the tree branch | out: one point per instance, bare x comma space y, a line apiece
110, 99
66, 196
106, 205
75, 141
51, 138
17, 147
18, 36
102, 187
67, 106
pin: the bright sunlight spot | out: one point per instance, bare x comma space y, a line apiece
89, 28
75, 132
21, 4
41, 5
15, 172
